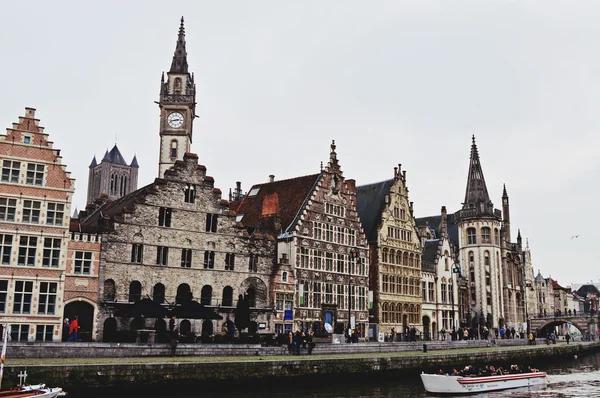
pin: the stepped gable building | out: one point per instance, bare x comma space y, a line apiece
35, 202
112, 176
177, 105
316, 223
440, 281
395, 253
174, 241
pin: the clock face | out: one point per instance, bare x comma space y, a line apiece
175, 120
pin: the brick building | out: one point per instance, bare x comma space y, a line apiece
316, 223
35, 202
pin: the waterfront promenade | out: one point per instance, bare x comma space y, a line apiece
163, 370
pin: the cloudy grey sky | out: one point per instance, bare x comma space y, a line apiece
391, 81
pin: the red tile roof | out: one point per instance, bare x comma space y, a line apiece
276, 205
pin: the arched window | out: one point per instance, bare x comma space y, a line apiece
158, 293
206, 295
444, 290
177, 83
384, 313
284, 276
392, 284
496, 237
471, 259
384, 256
486, 235
446, 261
109, 290
392, 256
471, 236
405, 258
227, 296
135, 291
399, 257
486, 258
174, 147
113, 184
184, 294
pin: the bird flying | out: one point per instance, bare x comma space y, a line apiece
574, 236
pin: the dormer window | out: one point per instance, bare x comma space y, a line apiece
26, 139
284, 276
190, 193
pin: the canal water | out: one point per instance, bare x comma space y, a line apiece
569, 377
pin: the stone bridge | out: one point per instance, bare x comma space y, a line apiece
587, 324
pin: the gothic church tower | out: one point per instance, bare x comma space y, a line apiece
479, 245
177, 108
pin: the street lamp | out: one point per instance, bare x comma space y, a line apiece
354, 255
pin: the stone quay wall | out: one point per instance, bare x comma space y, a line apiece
120, 373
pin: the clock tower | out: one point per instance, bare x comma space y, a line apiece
177, 108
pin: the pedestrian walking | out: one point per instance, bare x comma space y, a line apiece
74, 329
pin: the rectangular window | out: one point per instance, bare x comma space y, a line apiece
137, 253
318, 259
424, 290
229, 261
431, 292
444, 293
318, 231
35, 174
385, 285
47, 298
44, 332
5, 248
56, 214
164, 217
340, 235
329, 262
22, 297
304, 257
186, 258
329, 293
3, 294
51, 256
31, 211
19, 332
11, 171
316, 294
27, 250
340, 297
253, 262
303, 294
209, 259
8, 209
83, 263
211, 222
340, 263
190, 193
329, 233
471, 236
162, 255
486, 235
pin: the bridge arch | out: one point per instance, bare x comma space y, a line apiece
550, 324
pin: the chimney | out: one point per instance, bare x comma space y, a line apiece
395, 172
238, 190
271, 178
444, 224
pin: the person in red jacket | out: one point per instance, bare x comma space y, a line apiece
74, 329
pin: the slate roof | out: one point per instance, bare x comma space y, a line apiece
114, 156
370, 202
276, 206
430, 251
134, 162
584, 290
94, 162
434, 223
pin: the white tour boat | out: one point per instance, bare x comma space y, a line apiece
467, 385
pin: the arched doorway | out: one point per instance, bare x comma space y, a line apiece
158, 293
206, 295
135, 291
85, 312
227, 300
110, 330
426, 331
207, 327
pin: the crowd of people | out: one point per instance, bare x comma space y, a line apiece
488, 370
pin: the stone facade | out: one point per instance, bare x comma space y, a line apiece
35, 202
395, 252
439, 288
112, 177
176, 240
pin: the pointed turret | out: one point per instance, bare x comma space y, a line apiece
179, 63
476, 192
75, 213
106, 156
134, 162
94, 162
506, 214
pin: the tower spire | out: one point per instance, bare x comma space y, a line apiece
476, 192
179, 63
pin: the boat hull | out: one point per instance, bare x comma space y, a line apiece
467, 385
35, 391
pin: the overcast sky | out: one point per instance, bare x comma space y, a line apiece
392, 82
